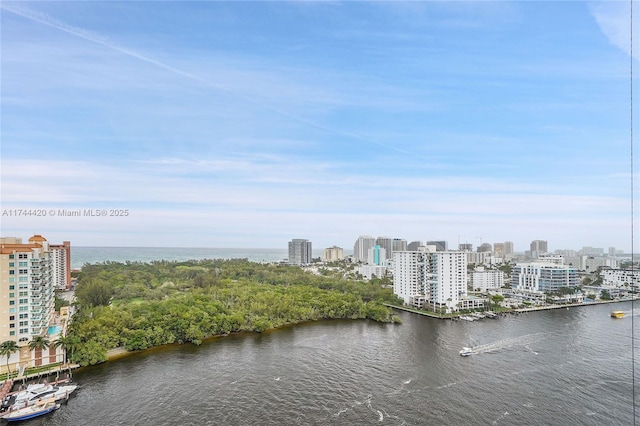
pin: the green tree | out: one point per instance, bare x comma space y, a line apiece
7, 348
68, 342
605, 295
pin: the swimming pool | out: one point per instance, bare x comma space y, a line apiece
54, 329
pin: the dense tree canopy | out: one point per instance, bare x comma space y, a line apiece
139, 305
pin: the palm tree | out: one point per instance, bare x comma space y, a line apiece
66, 343
6, 349
39, 343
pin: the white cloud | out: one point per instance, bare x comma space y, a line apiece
613, 17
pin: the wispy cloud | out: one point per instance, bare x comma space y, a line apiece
614, 19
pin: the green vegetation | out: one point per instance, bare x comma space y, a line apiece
605, 295
137, 305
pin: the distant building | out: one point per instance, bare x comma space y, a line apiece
435, 279
300, 252
620, 278
413, 246
361, 247
538, 247
440, 245
498, 249
377, 256
542, 277
484, 280
370, 271
508, 248
387, 244
465, 247
484, 248
61, 265
332, 254
28, 277
399, 244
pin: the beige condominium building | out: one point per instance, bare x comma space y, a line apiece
29, 274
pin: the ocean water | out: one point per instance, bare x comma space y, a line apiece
83, 255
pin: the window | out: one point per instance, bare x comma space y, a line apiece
22, 309
11, 256
23, 256
23, 264
12, 325
12, 318
23, 279
12, 302
23, 271
12, 272
12, 295
23, 339
12, 287
23, 330
12, 333
12, 264
24, 323
22, 301
22, 316
12, 310
23, 294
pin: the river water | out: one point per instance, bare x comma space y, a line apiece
560, 367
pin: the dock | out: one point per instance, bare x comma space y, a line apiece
59, 371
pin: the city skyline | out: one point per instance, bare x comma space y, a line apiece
220, 124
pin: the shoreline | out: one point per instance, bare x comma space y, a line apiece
511, 311
121, 352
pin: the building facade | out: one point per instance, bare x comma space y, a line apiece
300, 252
436, 279
484, 280
542, 277
27, 302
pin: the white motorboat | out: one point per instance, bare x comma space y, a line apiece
467, 351
38, 392
467, 318
38, 409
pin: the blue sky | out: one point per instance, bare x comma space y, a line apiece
247, 124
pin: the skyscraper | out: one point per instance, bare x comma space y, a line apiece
361, 247
300, 252
538, 247
387, 244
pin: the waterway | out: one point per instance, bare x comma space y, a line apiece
568, 367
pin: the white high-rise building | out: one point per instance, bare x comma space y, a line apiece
437, 279
362, 246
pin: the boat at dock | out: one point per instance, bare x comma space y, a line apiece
38, 409
35, 393
617, 314
491, 315
467, 351
467, 318
478, 315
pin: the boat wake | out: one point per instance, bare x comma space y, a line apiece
510, 342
